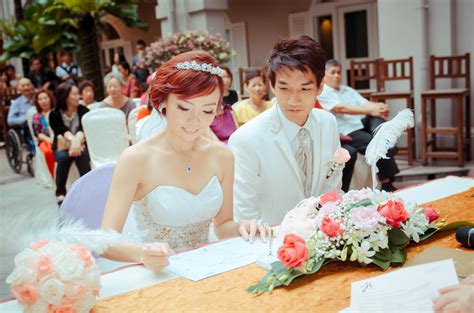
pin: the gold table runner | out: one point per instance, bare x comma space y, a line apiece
326, 291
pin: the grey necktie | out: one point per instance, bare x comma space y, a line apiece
304, 157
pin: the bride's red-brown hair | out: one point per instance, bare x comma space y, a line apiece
185, 84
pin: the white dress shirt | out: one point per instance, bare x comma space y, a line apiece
331, 97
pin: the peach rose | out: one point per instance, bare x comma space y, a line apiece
293, 252
82, 253
341, 156
332, 196
25, 293
39, 244
430, 213
66, 308
331, 228
394, 212
44, 265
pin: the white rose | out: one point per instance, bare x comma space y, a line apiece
27, 258
86, 304
52, 291
91, 278
39, 306
20, 275
67, 265
54, 248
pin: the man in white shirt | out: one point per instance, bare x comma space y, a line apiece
283, 155
67, 71
357, 118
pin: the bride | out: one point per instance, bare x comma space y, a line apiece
182, 180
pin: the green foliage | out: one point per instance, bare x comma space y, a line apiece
53, 25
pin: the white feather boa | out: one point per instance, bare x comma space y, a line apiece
20, 230
385, 137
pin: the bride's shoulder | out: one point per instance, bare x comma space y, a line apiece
221, 152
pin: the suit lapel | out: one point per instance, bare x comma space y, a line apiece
317, 154
284, 145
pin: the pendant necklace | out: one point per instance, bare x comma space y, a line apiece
188, 168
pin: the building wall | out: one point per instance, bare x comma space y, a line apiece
437, 27
465, 43
266, 21
146, 11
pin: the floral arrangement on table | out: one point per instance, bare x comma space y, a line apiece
162, 50
365, 226
55, 277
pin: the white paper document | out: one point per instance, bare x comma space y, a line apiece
408, 289
216, 258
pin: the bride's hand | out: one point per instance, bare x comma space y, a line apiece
249, 228
155, 256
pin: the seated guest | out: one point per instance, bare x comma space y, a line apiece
41, 77
225, 123
357, 118
12, 80
115, 98
86, 90
131, 88
44, 102
69, 142
283, 155
67, 71
19, 106
255, 85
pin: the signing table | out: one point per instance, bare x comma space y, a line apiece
135, 289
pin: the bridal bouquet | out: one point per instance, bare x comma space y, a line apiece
55, 277
365, 226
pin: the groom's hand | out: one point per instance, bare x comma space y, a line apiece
155, 256
249, 228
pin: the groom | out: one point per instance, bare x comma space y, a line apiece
283, 155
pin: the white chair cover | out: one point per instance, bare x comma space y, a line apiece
42, 174
132, 122
106, 135
150, 125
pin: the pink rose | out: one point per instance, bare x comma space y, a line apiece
332, 196
341, 156
394, 212
331, 228
44, 265
365, 218
82, 253
65, 308
431, 213
39, 244
293, 252
25, 293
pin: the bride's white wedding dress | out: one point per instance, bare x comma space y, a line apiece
175, 216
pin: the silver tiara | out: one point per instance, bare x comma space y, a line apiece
195, 66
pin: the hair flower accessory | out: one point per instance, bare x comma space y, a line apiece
339, 160
204, 67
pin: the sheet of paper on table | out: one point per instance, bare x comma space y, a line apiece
409, 289
217, 258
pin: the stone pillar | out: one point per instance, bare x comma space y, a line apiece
180, 15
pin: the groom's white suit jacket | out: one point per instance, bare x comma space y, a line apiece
267, 176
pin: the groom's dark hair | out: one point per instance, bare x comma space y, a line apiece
301, 53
